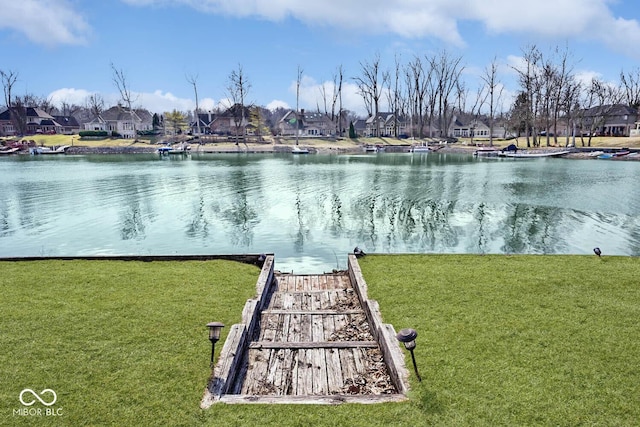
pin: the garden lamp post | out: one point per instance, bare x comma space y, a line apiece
214, 335
408, 338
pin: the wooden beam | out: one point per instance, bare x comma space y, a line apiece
314, 312
307, 345
335, 399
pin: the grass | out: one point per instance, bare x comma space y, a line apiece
121, 343
518, 340
503, 340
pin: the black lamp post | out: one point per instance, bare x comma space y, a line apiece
214, 335
408, 338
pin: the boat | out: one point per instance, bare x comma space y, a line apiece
422, 148
532, 155
621, 153
372, 149
298, 150
169, 149
486, 152
595, 153
9, 151
48, 150
605, 156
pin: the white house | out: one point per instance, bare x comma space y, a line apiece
122, 121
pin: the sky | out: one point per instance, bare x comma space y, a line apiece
66, 50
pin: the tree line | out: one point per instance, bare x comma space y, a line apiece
427, 92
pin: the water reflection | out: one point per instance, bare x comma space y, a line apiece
317, 208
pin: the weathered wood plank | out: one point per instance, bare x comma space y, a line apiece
319, 371
334, 371
287, 371
328, 327
306, 328
283, 331
306, 283
347, 365
317, 327
315, 282
314, 311
258, 360
309, 344
271, 323
335, 399
322, 283
305, 373
299, 284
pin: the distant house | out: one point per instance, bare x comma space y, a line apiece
68, 124
233, 120
610, 120
467, 126
307, 124
33, 119
202, 123
360, 127
384, 125
122, 121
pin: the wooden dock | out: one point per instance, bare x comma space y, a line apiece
310, 339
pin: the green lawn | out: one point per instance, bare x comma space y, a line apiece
503, 340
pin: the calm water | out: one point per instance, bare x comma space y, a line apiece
312, 210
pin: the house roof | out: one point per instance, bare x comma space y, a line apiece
359, 124
119, 113
234, 111
67, 121
31, 112
611, 110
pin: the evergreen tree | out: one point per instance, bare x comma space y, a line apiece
352, 131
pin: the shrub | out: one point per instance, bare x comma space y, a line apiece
93, 133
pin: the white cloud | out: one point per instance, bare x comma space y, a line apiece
160, 102
276, 103
586, 19
69, 96
312, 98
156, 102
46, 22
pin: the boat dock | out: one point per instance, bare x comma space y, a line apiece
309, 339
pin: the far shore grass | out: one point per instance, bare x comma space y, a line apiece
502, 340
324, 143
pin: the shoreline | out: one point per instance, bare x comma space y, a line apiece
577, 154
339, 147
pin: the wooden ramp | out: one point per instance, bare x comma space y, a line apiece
310, 339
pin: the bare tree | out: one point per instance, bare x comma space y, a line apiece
447, 71
298, 81
631, 87
120, 80
238, 88
569, 105
564, 86
370, 86
494, 91
530, 81
337, 84
598, 103
394, 98
9, 79
193, 80
95, 104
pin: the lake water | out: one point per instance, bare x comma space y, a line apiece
311, 210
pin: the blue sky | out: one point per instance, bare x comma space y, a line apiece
63, 49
